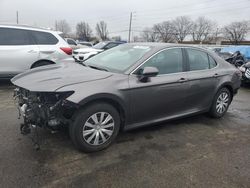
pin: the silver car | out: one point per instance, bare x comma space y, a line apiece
126, 87
23, 48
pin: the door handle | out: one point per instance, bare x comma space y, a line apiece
181, 80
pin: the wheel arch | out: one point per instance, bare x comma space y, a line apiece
111, 99
42, 60
229, 86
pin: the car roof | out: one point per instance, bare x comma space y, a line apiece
159, 46
27, 27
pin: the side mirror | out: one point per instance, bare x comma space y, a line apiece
147, 73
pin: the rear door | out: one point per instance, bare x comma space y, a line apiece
47, 44
162, 96
17, 51
202, 78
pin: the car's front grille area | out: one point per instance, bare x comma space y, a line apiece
247, 73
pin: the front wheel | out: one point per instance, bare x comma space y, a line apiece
95, 127
221, 103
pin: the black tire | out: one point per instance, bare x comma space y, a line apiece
214, 112
81, 117
41, 63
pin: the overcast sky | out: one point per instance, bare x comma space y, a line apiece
43, 13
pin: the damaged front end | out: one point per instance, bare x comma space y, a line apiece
48, 110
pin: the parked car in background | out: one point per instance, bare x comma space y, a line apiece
244, 50
84, 43
216, 49
239, 61
126, 87
85, 53
76, 45
23, 48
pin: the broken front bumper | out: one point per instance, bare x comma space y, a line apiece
44, 109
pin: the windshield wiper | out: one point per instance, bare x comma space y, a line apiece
98, 68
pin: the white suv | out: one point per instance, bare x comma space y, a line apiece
23, 48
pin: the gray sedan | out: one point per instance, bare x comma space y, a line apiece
127, 87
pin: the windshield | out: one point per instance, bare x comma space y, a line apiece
100, 45
118, 59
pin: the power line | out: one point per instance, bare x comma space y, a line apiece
186, 13
213, 8
186, 6
124, 15
205, 8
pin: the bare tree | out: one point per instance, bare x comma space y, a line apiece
164, 31
182, 26
202, 28
148, 35
236, 31
63, 26
101, 30
83, 31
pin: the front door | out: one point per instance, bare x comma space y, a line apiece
163, 96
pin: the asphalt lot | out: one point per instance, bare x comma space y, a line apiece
191, 152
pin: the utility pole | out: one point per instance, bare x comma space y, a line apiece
17, 19
130, 24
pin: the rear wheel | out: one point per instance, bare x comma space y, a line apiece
221, 103
95, 127
41, 63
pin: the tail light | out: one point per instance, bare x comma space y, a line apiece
67, 50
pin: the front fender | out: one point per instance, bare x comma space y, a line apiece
100, 96
107, 97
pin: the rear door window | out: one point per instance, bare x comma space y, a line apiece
11, 36
44, 38
198, 60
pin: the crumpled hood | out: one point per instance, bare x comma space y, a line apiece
53, 77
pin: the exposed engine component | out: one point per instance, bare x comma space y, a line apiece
43, 109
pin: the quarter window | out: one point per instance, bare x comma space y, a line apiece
167, 61
198, 60
44, 38
9, 36
212, 62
